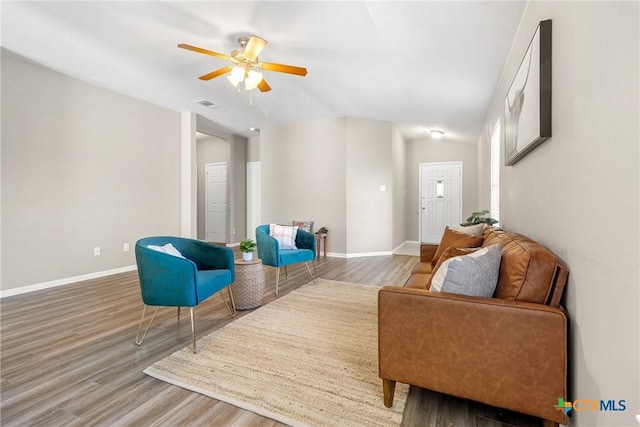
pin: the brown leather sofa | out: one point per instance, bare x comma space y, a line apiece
509, 351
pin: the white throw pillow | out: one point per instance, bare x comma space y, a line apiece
475, 274
167, 249
284, 234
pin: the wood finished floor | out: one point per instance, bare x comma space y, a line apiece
68, 357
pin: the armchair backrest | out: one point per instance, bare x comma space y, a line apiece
269, 249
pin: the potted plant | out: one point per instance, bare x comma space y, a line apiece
247, 247
479, 218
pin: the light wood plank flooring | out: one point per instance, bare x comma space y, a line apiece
68, 356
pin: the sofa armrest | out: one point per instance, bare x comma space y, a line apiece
427, 252
503, 353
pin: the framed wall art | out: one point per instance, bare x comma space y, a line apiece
527, 106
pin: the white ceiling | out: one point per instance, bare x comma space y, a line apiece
419, 64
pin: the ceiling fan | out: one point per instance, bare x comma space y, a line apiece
245, 61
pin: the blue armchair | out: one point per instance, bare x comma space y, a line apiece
175, 281
270, 253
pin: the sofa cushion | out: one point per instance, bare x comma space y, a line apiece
475, 274
455, 239
527, 269
418, 281
422, 268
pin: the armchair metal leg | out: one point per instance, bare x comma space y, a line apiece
314, 275
277, 279
232, 310
193, 330
144, 309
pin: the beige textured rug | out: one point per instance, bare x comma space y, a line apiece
309, 358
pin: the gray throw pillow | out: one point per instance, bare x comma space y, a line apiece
475, 274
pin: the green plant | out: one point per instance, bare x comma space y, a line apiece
247, 245
479, 218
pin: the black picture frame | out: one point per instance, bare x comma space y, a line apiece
527, 105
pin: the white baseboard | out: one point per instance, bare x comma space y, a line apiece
65, 281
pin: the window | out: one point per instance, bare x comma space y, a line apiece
495, 172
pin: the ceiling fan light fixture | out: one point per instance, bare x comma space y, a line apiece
436, 134
253, 80
233, 81
237, 74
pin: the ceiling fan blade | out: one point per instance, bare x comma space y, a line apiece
215, 73
205, 51
264, 86
281, 68
254, 47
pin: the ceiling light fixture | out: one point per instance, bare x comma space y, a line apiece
251, 78
437, 134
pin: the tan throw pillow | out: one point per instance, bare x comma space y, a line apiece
455, 239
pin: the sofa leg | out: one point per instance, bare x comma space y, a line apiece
547, 423
277, 279
388, 389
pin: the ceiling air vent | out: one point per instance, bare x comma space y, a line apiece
207, 104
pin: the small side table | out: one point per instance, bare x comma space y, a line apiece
321, 238
248, 287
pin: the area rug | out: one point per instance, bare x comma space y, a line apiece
309, 358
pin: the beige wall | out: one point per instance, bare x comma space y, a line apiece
330, 171
429, 151
369, 166
303, 176
578, 192
253, 149
81, 167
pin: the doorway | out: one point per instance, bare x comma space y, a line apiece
440, 204
216, 202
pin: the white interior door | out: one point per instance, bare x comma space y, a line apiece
440, 199
216, 202
253, 198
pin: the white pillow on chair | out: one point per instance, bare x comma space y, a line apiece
284, 234
167, 249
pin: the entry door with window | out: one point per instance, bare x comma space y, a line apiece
440, 199
216, 202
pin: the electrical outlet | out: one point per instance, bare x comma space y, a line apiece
96, 251
126, 247
233, 231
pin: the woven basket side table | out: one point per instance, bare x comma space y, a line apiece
248, 287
